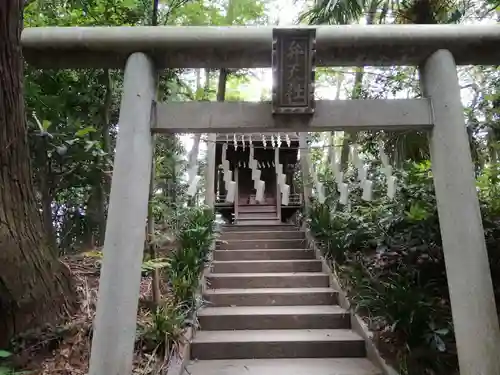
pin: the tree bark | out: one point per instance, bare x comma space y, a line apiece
35, 288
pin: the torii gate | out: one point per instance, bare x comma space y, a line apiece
142, 50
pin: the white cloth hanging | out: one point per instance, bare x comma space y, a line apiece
279, 169
259, 195
231, 191
281, 179
228, 176
256, 173
363, 173
344, 193
340, 179
224, 152
367, 190
388, 171
285, 194
383, 156
321, 192
391, 187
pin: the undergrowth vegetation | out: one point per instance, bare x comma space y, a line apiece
181, 273
161, 327
182, 269
388, 257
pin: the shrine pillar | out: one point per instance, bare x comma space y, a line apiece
305, 170
469, 279
210, 171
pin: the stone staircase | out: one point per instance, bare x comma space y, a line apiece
257, 213
271, 311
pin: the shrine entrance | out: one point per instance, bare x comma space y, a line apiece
292, 53
248, 187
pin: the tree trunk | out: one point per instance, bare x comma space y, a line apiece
35, 288
332, 151
47, 209
193, 160
193, 154
350, 137
221, 89
44, 185
97, 201
154, 16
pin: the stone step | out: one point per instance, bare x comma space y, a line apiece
273, 317
295, 343
263, 235
258, 221
269, 254
258, 227
257, 208
271, 297
268, 280
257, 216
261, 244
289, 366
266, 266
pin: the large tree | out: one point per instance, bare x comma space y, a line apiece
35, 288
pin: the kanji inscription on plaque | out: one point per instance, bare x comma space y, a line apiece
293, 70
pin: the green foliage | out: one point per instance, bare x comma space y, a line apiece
195, 237
195, 234
4, 354
389, 257
163, 329
147, 266
488, 183
5, 369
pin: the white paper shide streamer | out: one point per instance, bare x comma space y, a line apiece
367, 190
391, 187
259, 195
391, 180
231, 191
344, 193
362, 173
285, 194
321, 192
280, 176
228, 175
320, 189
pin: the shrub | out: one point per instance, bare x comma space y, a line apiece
389, 258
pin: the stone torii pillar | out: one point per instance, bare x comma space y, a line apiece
467, 268
115, 322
